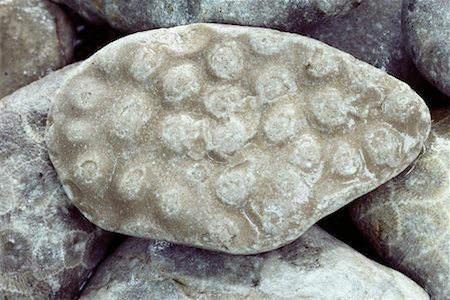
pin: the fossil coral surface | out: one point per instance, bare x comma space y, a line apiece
316, 266
47, 248
407, 220
226, 137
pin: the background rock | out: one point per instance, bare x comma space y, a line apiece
137, 15
47, 248
372, 33
316, 266
407, 219
426, 25
192, 134
36, 37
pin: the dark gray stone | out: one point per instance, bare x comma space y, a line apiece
47, 248
316, 266
372, 33
426, 25
136, 15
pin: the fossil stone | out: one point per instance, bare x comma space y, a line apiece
426, 25
226, 137
316, 266
47, 248
376, 25
407, 220
35, 38
136, 15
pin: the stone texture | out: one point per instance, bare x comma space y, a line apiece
372, 33
47, 248
35, 38
426, 26
136, 15
226, 137
316, 266
407, 220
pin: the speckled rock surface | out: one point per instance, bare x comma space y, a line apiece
407, 220
426, 25
47, 248
372, 33
136, 15
35, 38
316, 266
254, 132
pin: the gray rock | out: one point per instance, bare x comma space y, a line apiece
407, 220
35, 38
426, 26
136, 15
226, 137
316, 266
372, 33
47, 248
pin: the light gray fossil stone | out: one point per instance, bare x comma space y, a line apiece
35, 38
426, 26
137, 15
47, 248
372, 33
407, 220
316, 266
226, 137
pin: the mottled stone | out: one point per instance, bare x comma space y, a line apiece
316, 266
407, 220
217, 144
47, 248
136, 15
35, 38
426, 26
372, 33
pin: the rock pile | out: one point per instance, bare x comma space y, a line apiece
218, 147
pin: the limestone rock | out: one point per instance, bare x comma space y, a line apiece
426, 25
35, 38
372, 33
225, 137
136, 15
316, 266
407, 220
47, 248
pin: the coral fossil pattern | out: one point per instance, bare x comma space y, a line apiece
229, 138
316, 266
407, 220
47, 248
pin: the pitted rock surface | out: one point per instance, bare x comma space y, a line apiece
35, 38
407, 220
137, 15
225, 137
316, 266
376, 26
426, 26
47, 248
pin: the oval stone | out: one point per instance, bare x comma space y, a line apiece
257, 194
